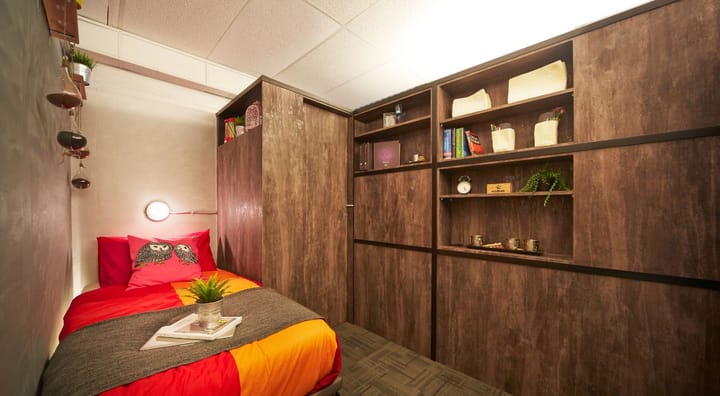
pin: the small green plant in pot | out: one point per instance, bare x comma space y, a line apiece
82, 64
208, 296
545, 180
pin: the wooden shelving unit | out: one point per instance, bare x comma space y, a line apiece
413, 131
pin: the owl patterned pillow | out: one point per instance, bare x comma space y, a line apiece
156, 261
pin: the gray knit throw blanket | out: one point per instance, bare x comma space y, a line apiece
107, 354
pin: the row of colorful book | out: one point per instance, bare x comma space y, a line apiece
234, 127
460, 143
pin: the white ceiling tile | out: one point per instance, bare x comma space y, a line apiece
337, 60
384, 81
397, 22
342, 10
190, 26
269, 35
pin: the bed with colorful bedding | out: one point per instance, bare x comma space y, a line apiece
279, 348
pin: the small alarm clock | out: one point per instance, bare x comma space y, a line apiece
464, 186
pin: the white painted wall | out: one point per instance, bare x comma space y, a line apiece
148, 140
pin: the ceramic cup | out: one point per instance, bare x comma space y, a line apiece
476, 240
532, 245
513, 243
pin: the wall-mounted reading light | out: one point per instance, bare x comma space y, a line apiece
159, 211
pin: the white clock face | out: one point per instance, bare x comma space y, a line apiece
464, 187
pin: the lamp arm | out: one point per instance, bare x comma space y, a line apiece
194, 212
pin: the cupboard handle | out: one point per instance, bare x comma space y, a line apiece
349, 205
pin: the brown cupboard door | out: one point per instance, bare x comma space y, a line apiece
650, 208
395, 208
655, 72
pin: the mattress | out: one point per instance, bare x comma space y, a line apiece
299, 359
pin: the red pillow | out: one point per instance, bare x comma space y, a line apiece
157, 261
115, 264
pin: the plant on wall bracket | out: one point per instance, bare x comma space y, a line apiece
545, 180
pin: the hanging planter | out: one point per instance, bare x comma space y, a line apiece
82, 64
70, 96
80, 181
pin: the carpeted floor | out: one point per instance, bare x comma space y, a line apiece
373, 365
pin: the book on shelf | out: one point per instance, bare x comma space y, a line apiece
187, 331
447, 143
459, 138
473, 142
386, 154
229, 129
365, 156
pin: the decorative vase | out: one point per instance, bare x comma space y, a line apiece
209, 314
503, 140
546, 133
84, 71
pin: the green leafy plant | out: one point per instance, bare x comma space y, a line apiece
206, 292
83, 58
545, 178
240, 120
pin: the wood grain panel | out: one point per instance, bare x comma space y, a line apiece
651, 208
285, 182
393, 294
395, 207
652, 73
239, 196
536, 331
324, 274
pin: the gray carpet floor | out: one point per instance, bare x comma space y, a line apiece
373, 365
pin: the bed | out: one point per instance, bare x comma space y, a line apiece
279, 348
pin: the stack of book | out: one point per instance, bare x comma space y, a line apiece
187, 330
365, 156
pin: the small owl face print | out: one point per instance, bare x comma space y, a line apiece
185, 254
153, 252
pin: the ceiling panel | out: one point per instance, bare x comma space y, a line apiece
381, 82
188, 25
352, 52
269, 35
338, 60
342, 10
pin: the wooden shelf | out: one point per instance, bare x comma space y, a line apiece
395, 129
523, 154
401, 167
542, 194
545, 257
525, 106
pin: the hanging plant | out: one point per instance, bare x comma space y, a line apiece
545, 180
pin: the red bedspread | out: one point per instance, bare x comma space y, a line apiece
298, 360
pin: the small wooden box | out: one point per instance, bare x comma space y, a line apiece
499, 188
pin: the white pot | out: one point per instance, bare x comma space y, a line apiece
209, 314
546, 133
503, 140
84, 71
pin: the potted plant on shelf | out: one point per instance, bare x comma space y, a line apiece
82, 64
208, 298
545, 180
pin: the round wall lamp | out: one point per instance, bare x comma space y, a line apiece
157, 211
160, 210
